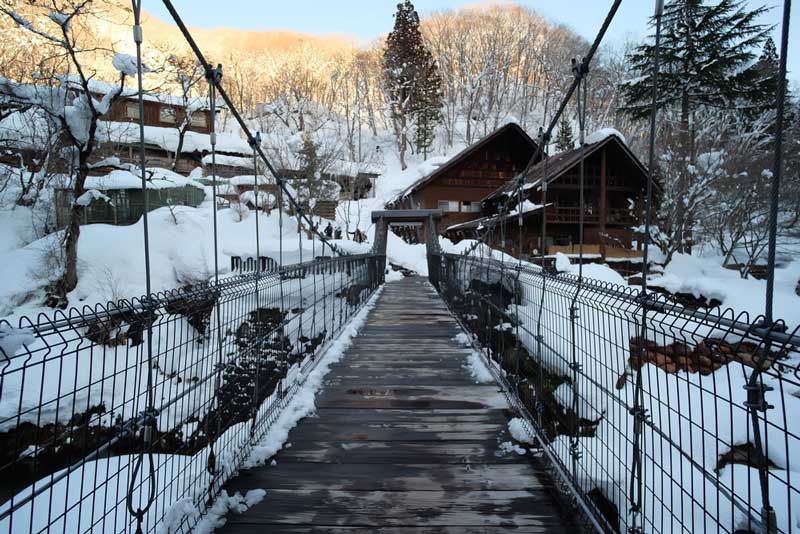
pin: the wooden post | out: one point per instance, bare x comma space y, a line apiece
603, 202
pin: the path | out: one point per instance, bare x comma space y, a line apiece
404, 438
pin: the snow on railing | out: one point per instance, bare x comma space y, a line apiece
78, 450
717, 437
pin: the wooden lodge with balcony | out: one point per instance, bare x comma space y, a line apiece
614, 188
457, 186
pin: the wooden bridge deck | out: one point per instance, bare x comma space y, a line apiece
404, 441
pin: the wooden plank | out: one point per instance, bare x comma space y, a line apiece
496, 416
258, 528
371, 452
420, 508
343, 430
394, 477
402, 441
398, 396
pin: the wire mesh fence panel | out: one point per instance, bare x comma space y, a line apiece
79, 449
701, 404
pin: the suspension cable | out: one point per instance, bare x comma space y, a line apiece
149, 415
777, 168
543, 245
257, 319
638, 412
214, 76
756, 389
301, 306
579, 70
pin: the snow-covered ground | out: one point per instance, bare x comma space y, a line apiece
705, 276
111, 258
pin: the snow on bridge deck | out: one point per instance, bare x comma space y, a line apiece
403, 438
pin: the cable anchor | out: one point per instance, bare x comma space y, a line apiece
580, 69
756, 397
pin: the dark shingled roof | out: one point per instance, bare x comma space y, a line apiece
464, 154
561, 163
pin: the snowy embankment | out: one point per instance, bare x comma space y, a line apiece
704, 276
93, 496
111, 258
694, 420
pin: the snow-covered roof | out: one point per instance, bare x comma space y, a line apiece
603, 134
441, 165
230, 161
353, 168
251, 180
102, 88
561, 163
158, 178
167, 138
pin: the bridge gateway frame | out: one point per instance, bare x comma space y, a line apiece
383, 220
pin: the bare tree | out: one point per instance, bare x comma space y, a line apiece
69, 104
187, 74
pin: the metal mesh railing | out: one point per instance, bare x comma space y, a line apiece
711, 443
79, 449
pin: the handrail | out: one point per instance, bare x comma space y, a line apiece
707, 377
95, 398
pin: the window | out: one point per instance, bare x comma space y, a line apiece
132, 110
167, 115
471, 206
199, 120
448, 205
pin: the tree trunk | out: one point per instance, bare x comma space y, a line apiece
57, 298
179, 148
679, 234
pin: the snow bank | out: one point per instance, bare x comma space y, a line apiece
474, 364
517, 427
167, 138
181, 251
705, 276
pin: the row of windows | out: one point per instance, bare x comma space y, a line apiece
166, 115
464, 206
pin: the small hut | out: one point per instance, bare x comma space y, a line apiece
117, 197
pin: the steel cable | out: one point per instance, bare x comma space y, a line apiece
148, 418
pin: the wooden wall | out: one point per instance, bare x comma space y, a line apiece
478, 175
152, 115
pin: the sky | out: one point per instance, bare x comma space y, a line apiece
369, 19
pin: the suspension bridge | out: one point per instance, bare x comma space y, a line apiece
604, 408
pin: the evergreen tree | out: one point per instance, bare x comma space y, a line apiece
564, 138
412, 81
428, 110
764, 89
706, 53
308, 174
310, 159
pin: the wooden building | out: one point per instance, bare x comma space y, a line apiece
118, 133
167, 111
121, 200
614, 186
458, 186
